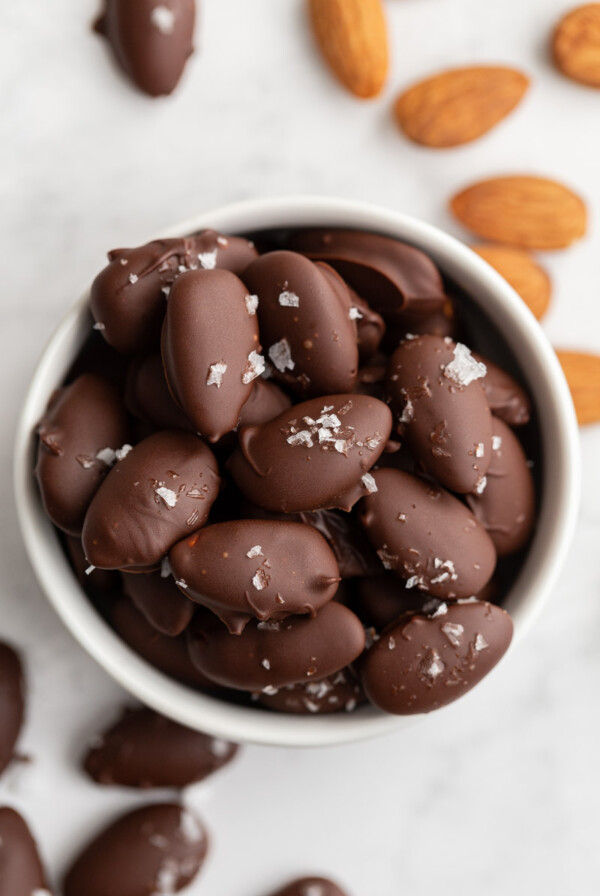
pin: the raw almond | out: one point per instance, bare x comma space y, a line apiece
576, 45
352, 35
530, 212
582, 372
522, 272
459, 105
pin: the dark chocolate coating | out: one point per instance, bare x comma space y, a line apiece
143, 749
21, 869
341, 692
168, 655
266, 401
12, 704
311, 886
427, 536
309, 307
274, 654
310, 472
390, 275
380, 600
162, 490
506, 508
152, 41
128, 297
507, 399
446, 419
160, 600
81, 419
102, 580
158, 848
210, 349
421, 663
263, 569
147, 395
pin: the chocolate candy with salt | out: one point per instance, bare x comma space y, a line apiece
341, 692
427, 536
264, 569
311, 886
421, 662
151, 41
314, 456
12, 703
156, 849
21, 869
160, 600
506, 507
273, 654
306, 322
144, 749
84, 424
435, 386
210, 349
507, 399
159, 492
128, 297
391, 276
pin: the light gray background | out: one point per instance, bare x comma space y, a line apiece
500, 793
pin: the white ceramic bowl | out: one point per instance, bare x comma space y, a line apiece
560, 490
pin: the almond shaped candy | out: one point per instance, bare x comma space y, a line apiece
277, 653
144, 749
421, 663
128, 297
307, 324
156, 849
506, 397
341, 692
210, 349
506, 507
151, 41
158, 598
427, 536
311, 886
84, 425
388, 274
264, 569
12, 703
21, 869
314, 456
435, 385
160, 491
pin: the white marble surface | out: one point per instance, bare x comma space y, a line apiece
500, 793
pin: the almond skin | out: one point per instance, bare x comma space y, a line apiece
352, 35
522, 272
582, 372
576, 45
528, 212
459, 105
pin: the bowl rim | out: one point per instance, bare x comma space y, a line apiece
248, 724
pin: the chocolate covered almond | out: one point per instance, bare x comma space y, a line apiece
129, 296
311, 886
151, 41
144, 749
277, 653
159, 492
210, 349
317, 455
507, 399
421, 663
506, 507
390, 275
156, 849
341, 692
21, 869
307, 322
160, 600
435, 387
12, 703
427, 536
264, 569
83, 428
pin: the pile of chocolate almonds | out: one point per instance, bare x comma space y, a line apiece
284, 477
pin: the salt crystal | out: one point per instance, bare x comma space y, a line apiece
266, 664
329, 421
260, 579
281, 356
99, 326
391, 643
251, 304
464, 369
454, 632
168, 496
215, 374
123, 451
181, 583
255, 365
439, 611
480, 643
496, 443
355, 314
90, 570
431, 665
412, 581
401, 517
481, 484
479, 450
301, 438
369, 483
165, 568
222, 241
270, 691
288, 299
107, 456
350, 705
208, 260
133, 278
163, 19
408, 412
256, 551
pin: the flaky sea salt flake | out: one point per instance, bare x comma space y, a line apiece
256, 551
288, 299
369, 483
215, 374
208, 260
163, 19
464, 369
251, 305
281, 356
255, 365
167, 495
